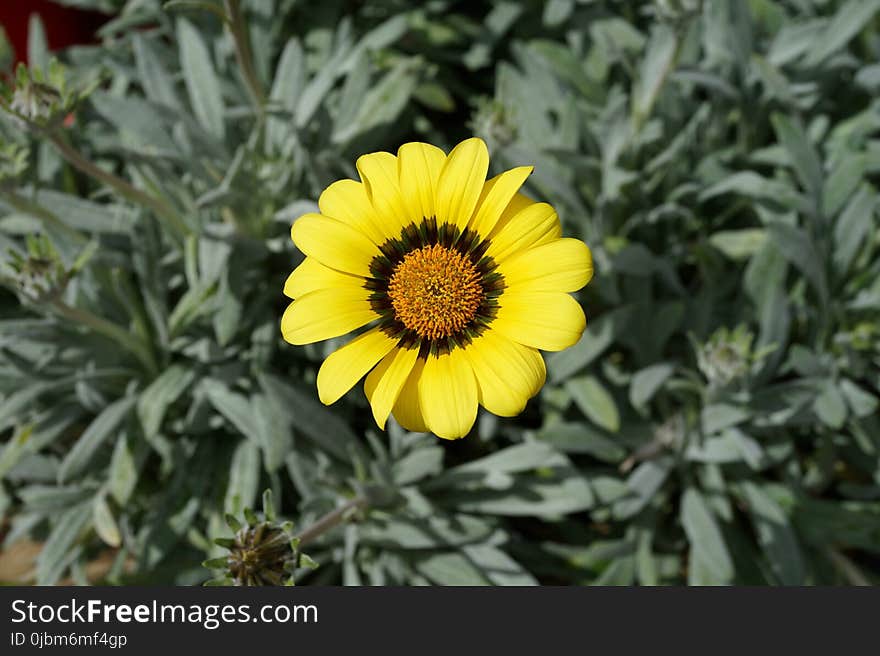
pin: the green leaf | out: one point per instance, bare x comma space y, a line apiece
775, 535
860, 402
739, 244
316, 90
161, 393
440, 531
621, 571
450, 568
244, 478
140, 126
511, 460
497, 566
418, 464
383, 35
705, 536
200, 78
718, 449
268, 506
14, 449
595, 402
581, 438
19, 400
124, 468
852, 227
793, 40
799, 249
155, 79
557, 12
100, 430
84, 214
58, 550
290, 77
718, 416
657, 63
843, 180
553, 492
647, 381
751, 451
227, 318
165, 530
216, 563
435, 96
234, 407
351, 98
525, 479
49, 498
802, 154
596, 338
307, 561
315, 421
642, 484
193, 304
104, 523
646, 564
382, 103
849, 20
728, 32
830, 406
273, 432
752, 185
37, 44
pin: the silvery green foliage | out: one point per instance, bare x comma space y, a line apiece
717, 423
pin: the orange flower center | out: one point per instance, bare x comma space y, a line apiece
435, 291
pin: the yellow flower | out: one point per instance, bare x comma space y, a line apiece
458, 279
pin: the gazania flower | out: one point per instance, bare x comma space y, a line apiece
456, 280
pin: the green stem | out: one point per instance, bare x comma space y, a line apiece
243, 53
27, 206
847, 568
331, 520
108, 329
123, 187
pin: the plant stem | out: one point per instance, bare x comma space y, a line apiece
108, 329
330, 520
243, 53
847, 568
27, 206
123, 187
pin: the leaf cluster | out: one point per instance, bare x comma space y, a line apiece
717, 423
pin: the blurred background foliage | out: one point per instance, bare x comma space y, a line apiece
717, 423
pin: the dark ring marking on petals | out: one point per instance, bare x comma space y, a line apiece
419, 235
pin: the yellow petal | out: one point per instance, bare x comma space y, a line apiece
518, 203
379, 173
496, 196
461, 182
334, 244
384, 382
533, 225
311, 275
347, 365
508, 374
543, 320
448, 395
407, 410
326, 313
347, 201
418, 167
563, 265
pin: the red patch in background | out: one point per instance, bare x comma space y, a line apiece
65, 26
